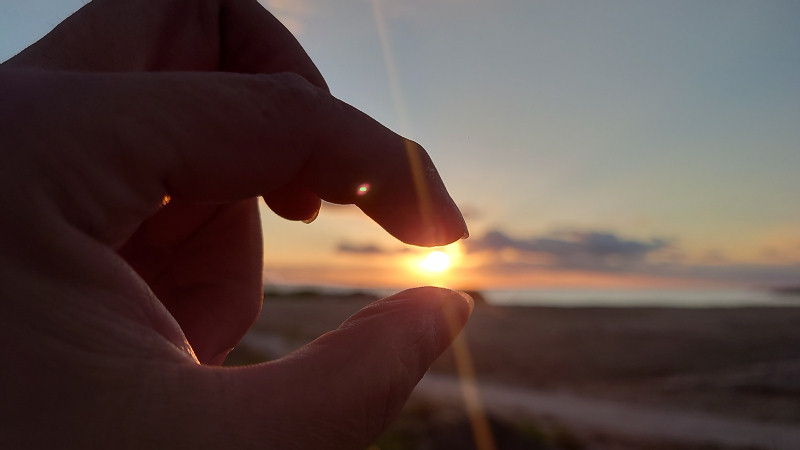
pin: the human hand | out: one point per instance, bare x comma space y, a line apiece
110, 300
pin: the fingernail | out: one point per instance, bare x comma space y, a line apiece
313, 217
456, 309
466, 230
458, 222
469, 300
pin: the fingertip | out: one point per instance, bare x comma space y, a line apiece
428, 220
470, 301
357, 377
313, 216
294, 202
456, 309
447, 309
447, 298
414, 205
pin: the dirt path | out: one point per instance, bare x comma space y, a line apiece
594, 415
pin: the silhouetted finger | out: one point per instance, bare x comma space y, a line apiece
204, 263
340, 391
294, 202
219, 138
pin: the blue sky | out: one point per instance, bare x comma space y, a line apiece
645, 122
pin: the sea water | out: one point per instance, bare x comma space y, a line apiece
655, 298
603, 298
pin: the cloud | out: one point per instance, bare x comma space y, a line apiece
598, 251
607, 253
367, 249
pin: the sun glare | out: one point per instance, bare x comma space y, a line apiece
436, 261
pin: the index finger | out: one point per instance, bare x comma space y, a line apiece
214, 137
168, 35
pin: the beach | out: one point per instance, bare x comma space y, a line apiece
592, 378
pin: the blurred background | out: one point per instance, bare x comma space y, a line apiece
629, 174
620, 144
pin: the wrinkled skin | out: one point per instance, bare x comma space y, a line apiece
117, 310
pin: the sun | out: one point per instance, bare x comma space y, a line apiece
436, 261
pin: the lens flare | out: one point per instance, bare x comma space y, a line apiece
436, 261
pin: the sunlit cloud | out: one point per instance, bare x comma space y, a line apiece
291, 13
605, 254
714, 256
585, 250
368, 249
785, 254
365, 249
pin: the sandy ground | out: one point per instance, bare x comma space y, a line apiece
588, 415
713, 378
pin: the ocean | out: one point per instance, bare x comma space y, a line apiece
672, 298
602, 298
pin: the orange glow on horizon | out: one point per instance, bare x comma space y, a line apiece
413, 267
461, 278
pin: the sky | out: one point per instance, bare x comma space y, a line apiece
593, 145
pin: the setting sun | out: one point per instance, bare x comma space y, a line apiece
436, 261
435, 266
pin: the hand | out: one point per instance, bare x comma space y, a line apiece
115, 304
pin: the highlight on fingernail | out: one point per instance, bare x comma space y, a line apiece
469, 300
313, 217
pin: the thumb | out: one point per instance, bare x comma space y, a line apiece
342, 390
